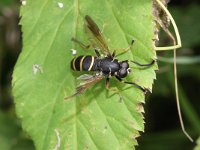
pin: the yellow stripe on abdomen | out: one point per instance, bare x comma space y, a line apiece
73, 64
91, 64
81, 63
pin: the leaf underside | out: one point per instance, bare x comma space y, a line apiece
42, 77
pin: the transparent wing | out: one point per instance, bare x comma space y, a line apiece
85, 77
88, 81
96, 35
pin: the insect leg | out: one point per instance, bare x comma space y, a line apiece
86, 46
114, 53
125, 49
136, 85
81, 44
97, 52
142, 65
107, 83
113, 89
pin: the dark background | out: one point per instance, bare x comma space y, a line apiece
162, 128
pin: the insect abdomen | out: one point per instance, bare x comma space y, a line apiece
83, 63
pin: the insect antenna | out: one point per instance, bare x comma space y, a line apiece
143, 65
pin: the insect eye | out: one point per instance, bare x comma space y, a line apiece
124, 64
122, 73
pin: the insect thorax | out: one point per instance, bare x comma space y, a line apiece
109, 66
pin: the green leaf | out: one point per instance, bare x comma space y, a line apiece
198, 144
42, 76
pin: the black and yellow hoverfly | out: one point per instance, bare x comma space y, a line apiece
106, 66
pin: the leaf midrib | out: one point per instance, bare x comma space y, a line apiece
62, 83
77, 11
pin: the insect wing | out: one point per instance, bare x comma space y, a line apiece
96, 35
88, 82
85, 77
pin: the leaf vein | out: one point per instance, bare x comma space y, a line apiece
92, 139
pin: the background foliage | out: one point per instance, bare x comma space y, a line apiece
162, 125
94, 119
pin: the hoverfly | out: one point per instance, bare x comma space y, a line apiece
105, 67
